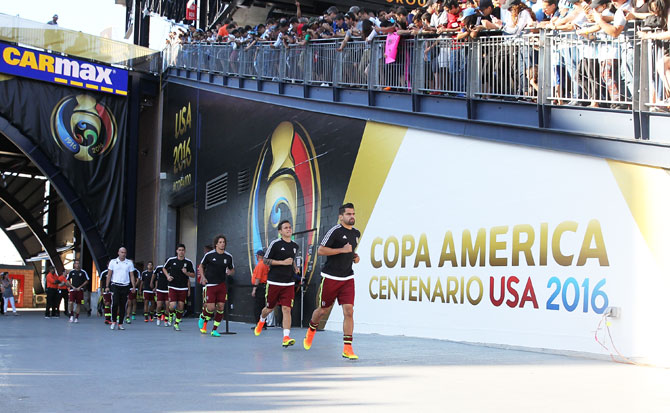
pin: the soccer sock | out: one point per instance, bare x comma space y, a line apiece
312, 325
348, 339
207, 315
217, 319
179, 313
76, 315
172, 314
108, 313
287, 332
263, 318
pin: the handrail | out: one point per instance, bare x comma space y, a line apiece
545, 68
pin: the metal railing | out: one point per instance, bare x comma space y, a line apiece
623, 73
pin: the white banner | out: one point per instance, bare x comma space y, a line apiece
493, 243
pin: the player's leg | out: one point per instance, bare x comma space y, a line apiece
218, 317
286, 302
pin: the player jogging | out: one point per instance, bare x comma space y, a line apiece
78, 279
337, 277
280, 257
159, 283
214, 267
178, 270
148, 292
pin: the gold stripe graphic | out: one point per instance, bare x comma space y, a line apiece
379, 147
106, 89
121, 92
647, 193
90, 86
60, 80
75, 83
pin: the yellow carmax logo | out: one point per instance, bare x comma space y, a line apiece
57, 65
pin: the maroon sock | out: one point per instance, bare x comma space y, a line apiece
217, 319
348, 339
312, 325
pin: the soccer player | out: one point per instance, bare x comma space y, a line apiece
337, 277
77, 280
207, 248
214, 268
178, 270
131, 307
106, 297
121, 277
159, 283
148, 292
280, 256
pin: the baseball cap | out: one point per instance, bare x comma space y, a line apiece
260, 252
510, 3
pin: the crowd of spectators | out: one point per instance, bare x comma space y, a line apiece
582, 73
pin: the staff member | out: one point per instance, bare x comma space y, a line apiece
121, 276
53, 295
259, 279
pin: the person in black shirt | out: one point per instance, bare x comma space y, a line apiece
159, 283
280, 257
106, 297
77, 279
148, 292
215, 266
337, 277
178, 270
131, 305
207, 248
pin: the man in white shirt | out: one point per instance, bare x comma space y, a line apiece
120, 277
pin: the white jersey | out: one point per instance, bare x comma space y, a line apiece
120, 271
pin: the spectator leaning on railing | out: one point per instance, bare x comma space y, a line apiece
596, 70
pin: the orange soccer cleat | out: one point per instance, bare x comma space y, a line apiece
348, 352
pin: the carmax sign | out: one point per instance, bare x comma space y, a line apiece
19, 61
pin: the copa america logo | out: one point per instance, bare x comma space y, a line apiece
286, 185
83, 126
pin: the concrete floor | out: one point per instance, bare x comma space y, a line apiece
53, 366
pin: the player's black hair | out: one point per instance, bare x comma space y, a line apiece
345, 206
286, 221
216, 239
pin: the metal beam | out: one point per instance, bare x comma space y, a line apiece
61, 185
35, 227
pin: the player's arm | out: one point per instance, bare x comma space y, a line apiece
84, 284
152, 283
109, 278
133, 281
167, 275
191, 273
328, 251
230, 271
201, 271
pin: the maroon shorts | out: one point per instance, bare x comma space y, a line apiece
177, 295
77, 296
148, 295
279, 294
107, 298
161, 296
216, 293
331, 289
132, 295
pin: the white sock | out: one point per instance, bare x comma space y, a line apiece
287, 332
263, 318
